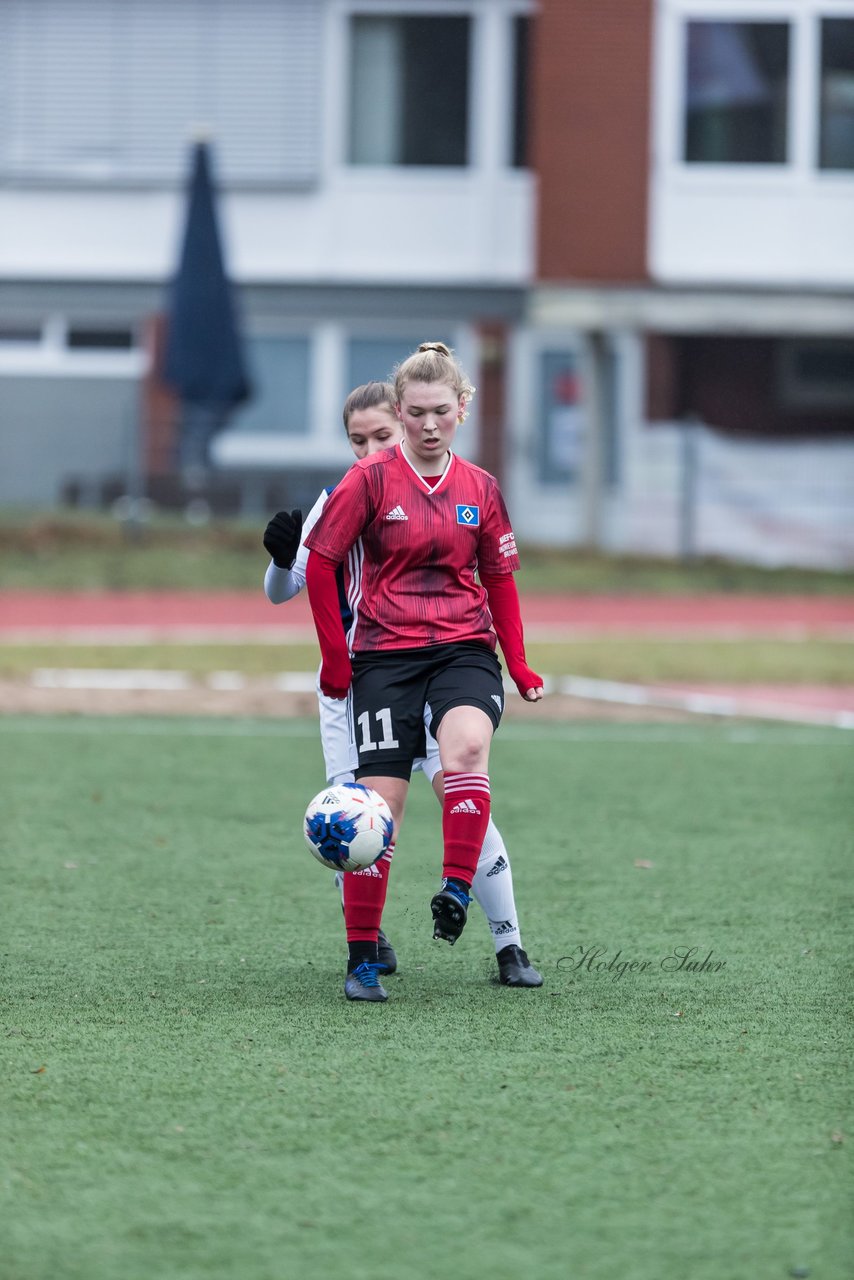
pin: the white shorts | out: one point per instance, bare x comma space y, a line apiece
339, 747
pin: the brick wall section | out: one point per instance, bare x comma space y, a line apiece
160, 407
590, 138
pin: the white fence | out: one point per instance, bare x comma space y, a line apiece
693, 491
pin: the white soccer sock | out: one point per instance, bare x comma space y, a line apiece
493, 888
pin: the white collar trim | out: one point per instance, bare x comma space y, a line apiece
431, 488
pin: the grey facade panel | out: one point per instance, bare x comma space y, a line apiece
55, 429
131, 302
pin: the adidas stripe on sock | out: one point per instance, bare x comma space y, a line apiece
493, 888
364, 899
465, 817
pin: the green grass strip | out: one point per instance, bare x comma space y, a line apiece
641, 659
65, 550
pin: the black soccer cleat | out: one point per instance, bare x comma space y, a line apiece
362, 983
516, 970
386, 954
450, 912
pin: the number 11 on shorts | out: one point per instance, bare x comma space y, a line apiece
386, 742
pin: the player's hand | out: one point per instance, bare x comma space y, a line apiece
282, 537
335, 678
529, 684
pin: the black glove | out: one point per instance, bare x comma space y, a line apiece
282, 537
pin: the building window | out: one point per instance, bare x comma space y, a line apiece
279, 370
817, 374
562, 426
409, 90
25, 335
736, 92
82, 338
520, 158
374, 359
836, 127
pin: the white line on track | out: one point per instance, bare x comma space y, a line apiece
177, 636
609, 691
109, 678
227, 681
296, 682
699, 703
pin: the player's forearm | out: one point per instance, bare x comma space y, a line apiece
280, 584
507, 619
335, 670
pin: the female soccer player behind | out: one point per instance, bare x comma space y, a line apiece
422, 635
372, 425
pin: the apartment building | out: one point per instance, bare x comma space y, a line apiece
371, 162
695, 264
626, 216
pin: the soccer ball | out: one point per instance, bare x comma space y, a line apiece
348, 827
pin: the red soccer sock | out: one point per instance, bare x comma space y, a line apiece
364, 899
465, 817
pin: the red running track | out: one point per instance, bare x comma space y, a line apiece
241, 611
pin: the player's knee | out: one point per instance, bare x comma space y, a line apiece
467, 754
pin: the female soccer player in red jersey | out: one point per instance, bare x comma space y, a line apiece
372, 425
422, 635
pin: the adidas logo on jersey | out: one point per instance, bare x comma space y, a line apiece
466, 806
397, 514
500, 864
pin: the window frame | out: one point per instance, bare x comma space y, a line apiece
278, 333
50, 355
822, 17
324, 442
798, 394
803, 103
763, 165
403, 17
489, 125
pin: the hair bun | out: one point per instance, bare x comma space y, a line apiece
432, 362
435, 346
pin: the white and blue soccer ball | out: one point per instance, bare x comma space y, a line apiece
348, 827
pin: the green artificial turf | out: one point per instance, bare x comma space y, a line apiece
186, 1092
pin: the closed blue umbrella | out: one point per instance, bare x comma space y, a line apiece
203, 360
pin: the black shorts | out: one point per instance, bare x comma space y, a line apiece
391, 690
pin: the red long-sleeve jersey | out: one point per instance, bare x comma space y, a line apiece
421, 548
